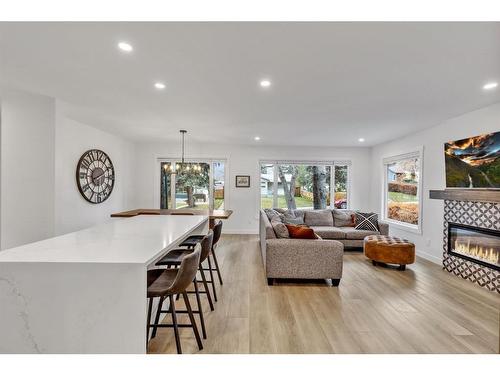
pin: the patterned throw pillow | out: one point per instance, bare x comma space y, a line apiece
280, 229
367, 221
272, 214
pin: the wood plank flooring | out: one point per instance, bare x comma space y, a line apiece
374, 310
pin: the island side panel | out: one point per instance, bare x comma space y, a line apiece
72, 308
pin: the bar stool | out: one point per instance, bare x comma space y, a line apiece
191, 241
164, 283
174, 258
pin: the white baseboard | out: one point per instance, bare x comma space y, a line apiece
240, 231
429, 257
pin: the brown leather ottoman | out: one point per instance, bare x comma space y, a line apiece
388, 249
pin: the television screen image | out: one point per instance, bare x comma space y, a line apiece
473, 162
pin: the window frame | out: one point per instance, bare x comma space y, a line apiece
210, 162
329, 163
417, 153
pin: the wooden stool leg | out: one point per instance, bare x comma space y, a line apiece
193, 322
402, 267
200, 309
212, 278
205, 285
157, 319
217, 267
176, 327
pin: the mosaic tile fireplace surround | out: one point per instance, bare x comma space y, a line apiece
471, 214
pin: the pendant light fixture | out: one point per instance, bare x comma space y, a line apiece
182, 166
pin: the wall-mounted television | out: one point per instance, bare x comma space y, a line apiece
473, 162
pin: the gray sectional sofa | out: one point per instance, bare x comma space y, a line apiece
311, 259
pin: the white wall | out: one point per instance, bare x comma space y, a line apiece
244, 160
27, 167
429, 243
72, 139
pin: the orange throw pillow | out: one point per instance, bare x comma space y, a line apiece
302, 232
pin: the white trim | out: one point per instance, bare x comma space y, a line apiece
415, 153
406, 155
429, 257
325, 161
402, 225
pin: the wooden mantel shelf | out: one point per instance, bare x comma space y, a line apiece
471, 195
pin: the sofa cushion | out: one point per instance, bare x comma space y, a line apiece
330, 233
344, 218
302, 232
289, 217
322, 218
280, 229
357, 234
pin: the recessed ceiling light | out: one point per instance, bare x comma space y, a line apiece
256, 138
361, 139
265, 83
126, 47
490, 85
160, 85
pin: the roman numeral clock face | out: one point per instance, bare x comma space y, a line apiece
95, 176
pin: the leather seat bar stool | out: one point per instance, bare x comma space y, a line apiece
174, 258
163, 283
191, 241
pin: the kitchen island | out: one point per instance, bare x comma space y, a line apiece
85, 292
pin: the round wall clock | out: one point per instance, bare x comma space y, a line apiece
95, 176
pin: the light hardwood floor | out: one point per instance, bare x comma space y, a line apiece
374, 310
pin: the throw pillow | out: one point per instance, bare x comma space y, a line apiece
296, 231
280, 229
272, 214
344, 218
367, 221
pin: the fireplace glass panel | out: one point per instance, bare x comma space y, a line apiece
476, 244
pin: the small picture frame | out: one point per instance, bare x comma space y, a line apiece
243, 181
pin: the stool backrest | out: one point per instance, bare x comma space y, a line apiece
206, 245
217, 232
187, 271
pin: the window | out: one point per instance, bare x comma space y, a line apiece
303, 184
197, 185
402, 190
218, 168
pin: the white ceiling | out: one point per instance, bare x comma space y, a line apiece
332, 82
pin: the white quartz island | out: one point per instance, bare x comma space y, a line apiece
85, 292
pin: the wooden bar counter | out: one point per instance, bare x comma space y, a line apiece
212, 214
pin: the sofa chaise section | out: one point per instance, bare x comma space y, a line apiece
298, 258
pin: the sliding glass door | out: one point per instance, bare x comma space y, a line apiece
193, 185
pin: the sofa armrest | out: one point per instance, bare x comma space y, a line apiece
384, 228
308, 259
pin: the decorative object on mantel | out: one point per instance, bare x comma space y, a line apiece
473, 162
469, 195
243, 181
182, 166
95, 176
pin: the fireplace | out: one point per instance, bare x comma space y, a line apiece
478, 245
